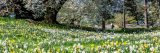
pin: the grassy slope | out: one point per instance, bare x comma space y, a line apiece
21, 36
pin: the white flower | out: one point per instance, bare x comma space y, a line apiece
25, 46
3, 43
105, 37
115, 52
131, 48
76, 39
83, 52
79, 45
16, 46
74, 51
74, 45
152, 49
66, 49
62, 47
6, 51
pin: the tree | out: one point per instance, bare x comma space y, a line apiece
36, 9
79, 13
104, 10
153, 12
47, 9
130, 7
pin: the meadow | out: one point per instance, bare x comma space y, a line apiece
20, 36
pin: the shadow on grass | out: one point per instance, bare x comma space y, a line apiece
92, 29
68, 27
132, 30
127, 30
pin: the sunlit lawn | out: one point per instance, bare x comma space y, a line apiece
21, 36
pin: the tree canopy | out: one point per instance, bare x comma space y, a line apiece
95, 12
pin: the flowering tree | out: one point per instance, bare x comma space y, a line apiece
36, 9
47, 9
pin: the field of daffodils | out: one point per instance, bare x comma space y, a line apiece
19, 36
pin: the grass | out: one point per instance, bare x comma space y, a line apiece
20, 36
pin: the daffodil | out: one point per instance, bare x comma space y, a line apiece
155, 38
125, 43
49, 51
145, 45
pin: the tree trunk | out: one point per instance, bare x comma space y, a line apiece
54, 17
51, 16
103, 24
124, 15
124, 18
54, 11
145, 14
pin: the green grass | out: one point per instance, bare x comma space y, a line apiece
20, 36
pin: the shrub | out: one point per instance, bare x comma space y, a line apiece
118, 20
